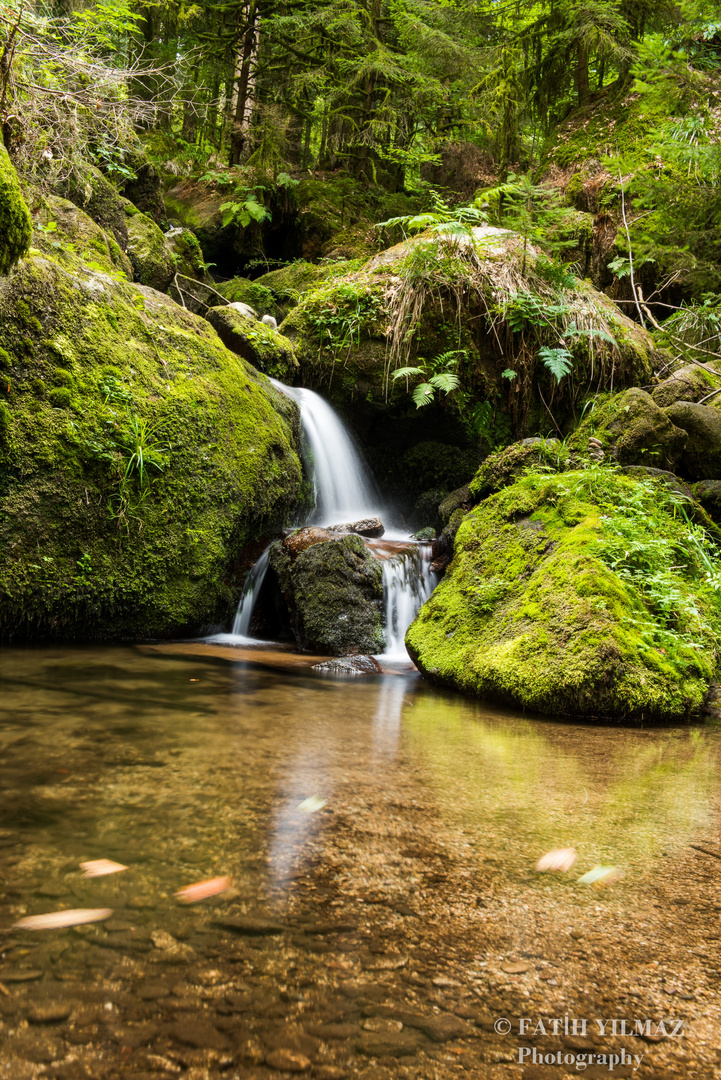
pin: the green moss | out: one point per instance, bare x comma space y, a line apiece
151, 256
5, 360
259, 297
15, 221
531, 612
632, 430
60, 397
257, 343
162, 553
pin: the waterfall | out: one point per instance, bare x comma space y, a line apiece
343, 488
407, 584
344, 492
251, 588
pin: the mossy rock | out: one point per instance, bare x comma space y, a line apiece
334, 593
632, 430
531, 614
260, 345
708, 493
689, 383
241, 290
67, 234
89, 548
701, 458
15, 222
144, 189
153, 259
503, 467
188, 255
289, 283
345, 329
90, 191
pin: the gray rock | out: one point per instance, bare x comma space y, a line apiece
334, 594
270, 321
708, 493
701, 459
252, 925
372, 528
690, 383
245, 310
350, 665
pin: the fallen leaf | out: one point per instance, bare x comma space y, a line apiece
600, 876
55, 920
201, 890
561, 859
311, 805
100, 867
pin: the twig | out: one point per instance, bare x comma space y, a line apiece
713, 854
550, 413
630, 252
709, 396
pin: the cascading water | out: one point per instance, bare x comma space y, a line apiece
407, 584
344, 491
249, 595
343, 488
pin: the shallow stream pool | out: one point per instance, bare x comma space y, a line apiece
385, 914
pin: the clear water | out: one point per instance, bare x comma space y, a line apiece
405, 896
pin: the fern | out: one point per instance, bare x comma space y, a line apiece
558, 361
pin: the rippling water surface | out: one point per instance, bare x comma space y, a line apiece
369, 936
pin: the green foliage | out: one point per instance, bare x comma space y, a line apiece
340, 313
558, 361
244, 209
443, 377
440, 219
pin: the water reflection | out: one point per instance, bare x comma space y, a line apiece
191, 762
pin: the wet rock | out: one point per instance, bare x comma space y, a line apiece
288, 1061
381, 1025
389, 1044
428, 533
252, 925
250, 1050
302, 539
372, 528
332, 1032
350, 665
334, 594
21, 975
196, 1034
51, 1013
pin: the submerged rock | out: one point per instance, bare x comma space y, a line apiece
333, 589
96, 372
531, 614
350, 665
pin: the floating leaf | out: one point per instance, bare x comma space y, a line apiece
201, 890
311, 805
561, 859
600, 876
56, 920
100, 867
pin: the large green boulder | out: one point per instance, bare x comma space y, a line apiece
257, 343
67, 233
153, 260
702, 452
239, 290
583, 594
15, 222
631, 429
138, 458
334, 592
93, 193
689, 383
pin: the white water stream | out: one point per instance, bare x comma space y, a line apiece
343, 492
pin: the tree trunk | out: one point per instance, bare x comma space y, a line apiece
245, 84
583, 85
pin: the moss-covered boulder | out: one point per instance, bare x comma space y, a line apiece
689, 383
138, 456
94, 194
502, 467
153, 259
68, 234
260, 345
144, 188
484, 302
15, 222
584, 594
241, 290
631, 429
334, 593
289, 283
702, 451
708, 493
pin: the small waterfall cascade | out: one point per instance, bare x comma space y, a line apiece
407, 583
344, 490
251, 588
